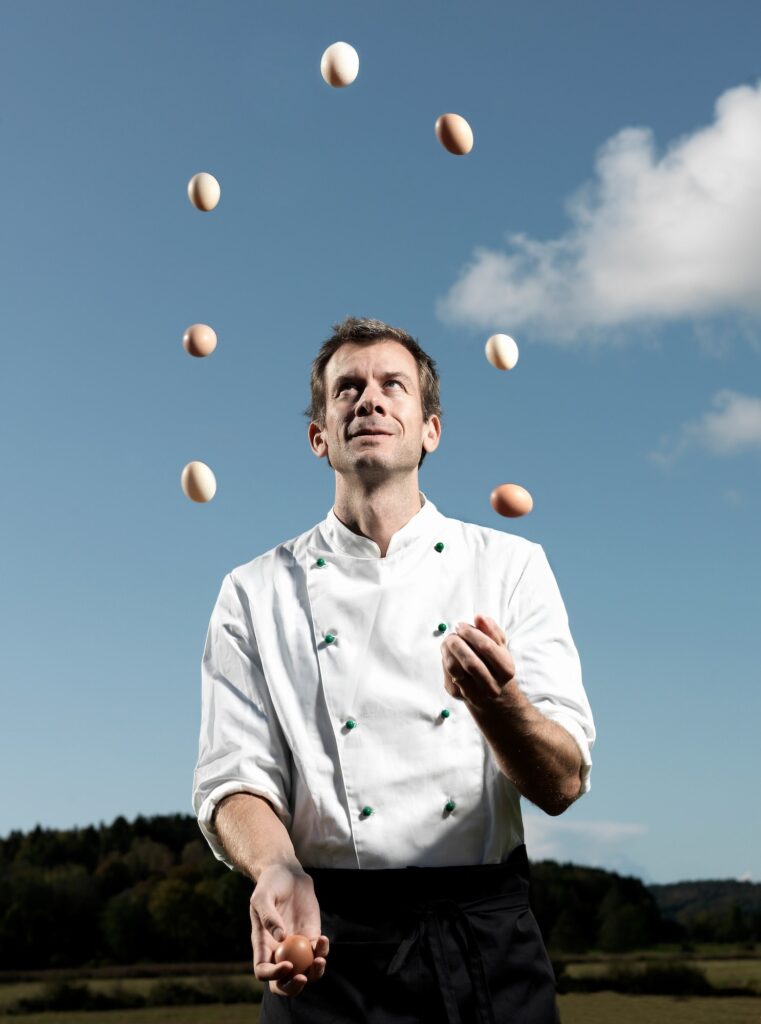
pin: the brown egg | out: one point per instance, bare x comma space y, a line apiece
200, 340
454, 133
511, 500
297, 949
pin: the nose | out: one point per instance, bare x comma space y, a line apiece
371, 398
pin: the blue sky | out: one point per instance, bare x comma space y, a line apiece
608, 218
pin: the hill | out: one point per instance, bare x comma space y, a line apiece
714, 909
151, 891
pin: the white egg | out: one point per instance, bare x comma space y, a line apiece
501, 351
204, 191
198, 482
339, 65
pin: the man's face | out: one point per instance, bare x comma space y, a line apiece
373, 388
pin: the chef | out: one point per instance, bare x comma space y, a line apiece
391, 682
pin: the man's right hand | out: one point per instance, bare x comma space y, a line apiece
284, 900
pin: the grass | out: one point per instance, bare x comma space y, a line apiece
611, 1008
236, 1013
731, 968
11, 992
599, 1008
720, 973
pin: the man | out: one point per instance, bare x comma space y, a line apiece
378, 693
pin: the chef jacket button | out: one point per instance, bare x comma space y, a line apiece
450, 805
442, 627
445, 713
320, 562
350, 723
367, 811
329, 638
439, 546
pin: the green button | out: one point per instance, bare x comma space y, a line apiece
329, 638
321, 562
439, 546
445, 713
350, 723
442, 627
367, 811
449, 805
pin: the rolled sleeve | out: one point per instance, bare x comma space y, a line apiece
241, 746
547, 666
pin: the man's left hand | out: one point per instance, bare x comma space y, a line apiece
477, 663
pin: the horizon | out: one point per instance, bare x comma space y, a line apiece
534, 860
607, 219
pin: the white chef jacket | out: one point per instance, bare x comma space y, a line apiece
323, 691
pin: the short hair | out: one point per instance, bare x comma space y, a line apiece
365, 331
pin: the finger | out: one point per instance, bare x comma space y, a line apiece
451, 656
267, 971
479, 679
316, 969
453, 672
453, 689
477, 652
262, 931
487, 625
292, 987
497, 631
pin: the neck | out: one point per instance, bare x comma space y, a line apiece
377, 513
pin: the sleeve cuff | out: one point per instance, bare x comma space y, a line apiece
206, 812
572, 726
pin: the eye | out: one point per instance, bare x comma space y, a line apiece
391, 380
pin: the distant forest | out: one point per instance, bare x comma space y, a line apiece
151, 891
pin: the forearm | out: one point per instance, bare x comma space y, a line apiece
252, 834
539, 756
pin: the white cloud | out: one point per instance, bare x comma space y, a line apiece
733, 427
604, 844
650, 238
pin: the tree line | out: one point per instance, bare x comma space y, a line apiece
152, 891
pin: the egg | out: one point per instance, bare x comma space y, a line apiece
339, 65
501, 351
204, 191
298, 950
511, 500
198, 482
454, 133
199, 340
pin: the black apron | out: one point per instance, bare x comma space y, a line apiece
451, 945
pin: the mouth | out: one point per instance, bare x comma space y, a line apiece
369, 435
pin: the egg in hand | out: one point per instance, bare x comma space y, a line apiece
298, 950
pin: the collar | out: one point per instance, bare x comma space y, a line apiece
340, 537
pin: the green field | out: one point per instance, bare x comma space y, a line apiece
600, 1008
732, 968
13, 991
721, 973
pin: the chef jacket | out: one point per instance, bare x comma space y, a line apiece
323, 691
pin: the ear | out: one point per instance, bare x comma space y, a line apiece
316, 442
